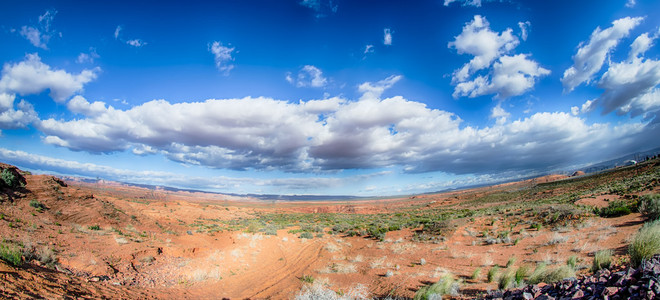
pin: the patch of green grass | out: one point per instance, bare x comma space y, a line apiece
447, 285
506, 280
492, 273
645, 243
10, 253
94, 227
602, 260
512, 260
521, 274
307, 279
476, 274
543, 274
572, 261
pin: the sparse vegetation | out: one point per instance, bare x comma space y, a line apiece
543, 274
10, 253
649, 205
492, 273
506, 280
602, 260
476, 274
447, 285
10, 179
645, 243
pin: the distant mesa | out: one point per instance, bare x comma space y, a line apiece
578, 173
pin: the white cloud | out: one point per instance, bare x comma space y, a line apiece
641, 44
136, 43
499, 114
31, 76
368, 49
631, 3
332, 134
19, 117
524, 29
476, 3
87, 57
40, 36
321, 7
590, 57
308, 76
222, 57
117, 32
387, 36
508, 75
630, 87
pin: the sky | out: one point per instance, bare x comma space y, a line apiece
318, 97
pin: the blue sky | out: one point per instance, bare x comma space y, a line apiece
364, 98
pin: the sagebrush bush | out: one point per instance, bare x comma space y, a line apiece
645, 243
649, 205
602, 260
10, 179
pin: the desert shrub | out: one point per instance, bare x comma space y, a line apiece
506, 280
46, 256
38, 205
512, 260
10, 253
94, 227
10, 179
521, 274
476, 274
492, 273
306, 235
307, 279
645, 243
318, 291
542, 274
445, 286
649, 205
602, 260
572, 261
615, 209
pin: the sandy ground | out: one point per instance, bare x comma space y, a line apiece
146, 245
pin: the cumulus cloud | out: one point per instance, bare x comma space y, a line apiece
334, 134
509, 75
15, 117
629, 86
321, 8
387, 36
222, 56
32, 76
631, 3
590, 57
308, 76
41, 34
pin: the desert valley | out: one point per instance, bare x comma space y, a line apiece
94, 239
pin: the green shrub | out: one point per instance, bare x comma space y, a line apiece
10, 179
512, 260
10, 253
521, 274
306, 235
602, 260
649, 205
572, 261
492, 273
506, 280
645, 243
445, 286
476, 274
94, 227
542, 274
307, 279
38, 205
615, 209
